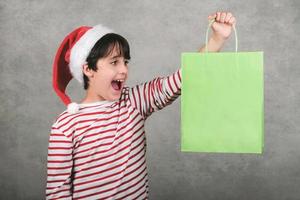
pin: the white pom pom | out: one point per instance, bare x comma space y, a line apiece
73, 108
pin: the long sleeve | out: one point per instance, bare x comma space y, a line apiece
59, 166
156, 94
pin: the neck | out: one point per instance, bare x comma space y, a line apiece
91, 97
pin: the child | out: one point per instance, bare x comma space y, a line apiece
97, 148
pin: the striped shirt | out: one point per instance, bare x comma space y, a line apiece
99, 152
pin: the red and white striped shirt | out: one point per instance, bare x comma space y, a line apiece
99, 152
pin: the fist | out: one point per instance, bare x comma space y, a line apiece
222, 27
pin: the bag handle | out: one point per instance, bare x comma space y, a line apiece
207, 31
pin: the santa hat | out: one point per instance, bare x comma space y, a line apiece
70, 58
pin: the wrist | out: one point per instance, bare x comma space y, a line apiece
215, 43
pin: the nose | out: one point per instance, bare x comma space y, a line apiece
123, 69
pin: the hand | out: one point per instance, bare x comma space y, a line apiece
222, 27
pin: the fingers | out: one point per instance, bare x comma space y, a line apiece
223, 17
232, 21
218, 16
227, 17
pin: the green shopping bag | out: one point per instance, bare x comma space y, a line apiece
222, 102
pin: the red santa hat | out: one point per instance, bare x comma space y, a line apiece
70, 58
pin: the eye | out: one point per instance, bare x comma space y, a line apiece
114, 62
126, 62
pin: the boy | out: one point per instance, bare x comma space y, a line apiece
97, 148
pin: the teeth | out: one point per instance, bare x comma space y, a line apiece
120, 80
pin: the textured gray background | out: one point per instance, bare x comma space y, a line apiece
158, 32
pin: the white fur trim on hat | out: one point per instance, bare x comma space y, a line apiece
82, 48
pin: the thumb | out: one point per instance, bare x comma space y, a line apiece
211, 17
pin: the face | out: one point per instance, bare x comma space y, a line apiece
108, 81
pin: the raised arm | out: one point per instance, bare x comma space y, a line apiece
156, 94
160, 92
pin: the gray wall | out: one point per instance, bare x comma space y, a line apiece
158, 31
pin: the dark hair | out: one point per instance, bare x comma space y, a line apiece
103, 48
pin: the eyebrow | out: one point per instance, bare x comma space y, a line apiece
115, 57
118, 56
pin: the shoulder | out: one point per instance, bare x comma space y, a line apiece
64, 119
67, 123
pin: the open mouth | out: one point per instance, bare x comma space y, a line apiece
117, 84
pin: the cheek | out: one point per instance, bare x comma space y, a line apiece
103, 81
104, 77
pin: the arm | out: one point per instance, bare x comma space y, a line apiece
161, 92
59, 166
156, 94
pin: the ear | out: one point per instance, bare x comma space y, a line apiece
87, 71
